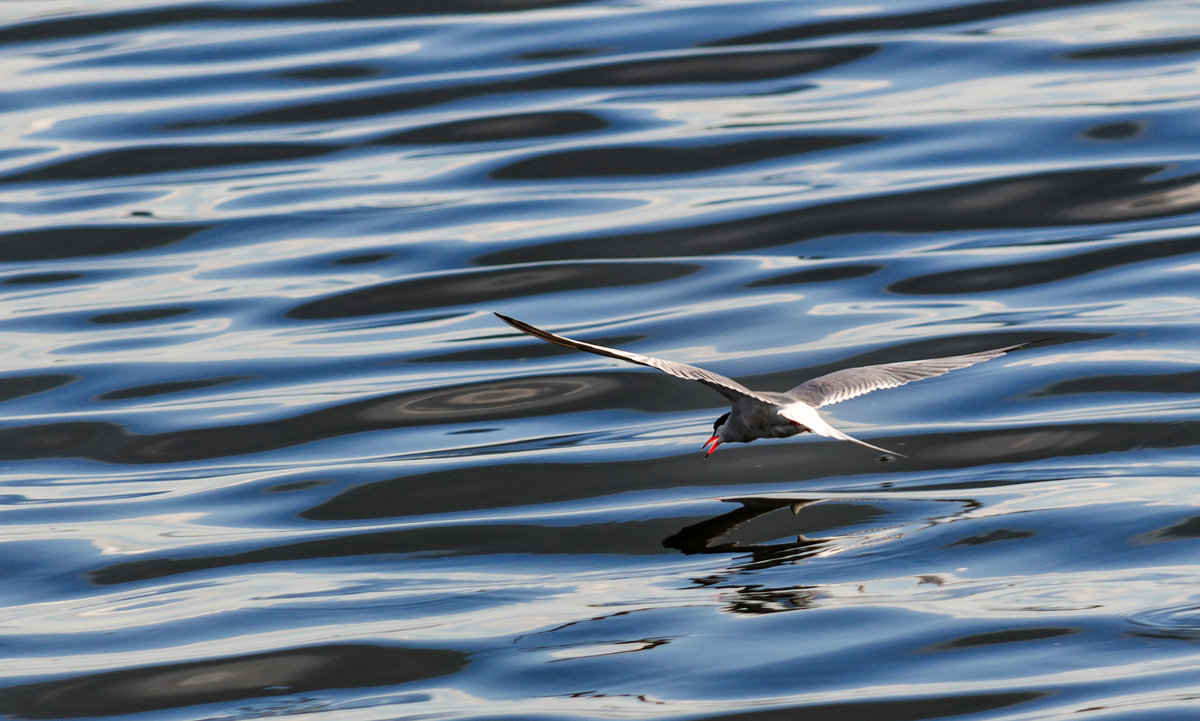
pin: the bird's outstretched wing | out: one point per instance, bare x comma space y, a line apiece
851, 382
727, 387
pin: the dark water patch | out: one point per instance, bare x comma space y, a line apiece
79, 438
998, 276
1187, 382
294, 486
235, 678
499, 127
475, 287
896, 709
161, 389
1097, 195
165, 159
645, 160
147, 19
1183, 530
632, 538
1124, 51
111, 443
558, 53
708, 68
824, 274
89, 240
1011, 635
41, 278
332, 73
501, 485
13, 387
351, 106
137, 316
997, 536
488, 401
362, 259
522, 350
1114, 131
950, 15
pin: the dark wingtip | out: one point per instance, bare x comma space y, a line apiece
1036, 341
1028, 344
511, 321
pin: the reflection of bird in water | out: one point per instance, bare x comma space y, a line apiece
700, 537
763, 414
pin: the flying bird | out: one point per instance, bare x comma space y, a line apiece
765, 414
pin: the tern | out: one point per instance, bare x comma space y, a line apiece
765, 414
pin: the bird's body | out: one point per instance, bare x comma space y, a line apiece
766, 414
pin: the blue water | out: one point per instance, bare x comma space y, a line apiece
266, 451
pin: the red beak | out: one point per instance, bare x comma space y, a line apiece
715, 441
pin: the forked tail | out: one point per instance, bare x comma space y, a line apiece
808, 417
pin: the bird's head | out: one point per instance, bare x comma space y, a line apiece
711, 444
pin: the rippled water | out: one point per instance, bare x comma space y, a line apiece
266, 452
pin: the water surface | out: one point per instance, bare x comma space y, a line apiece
267, 452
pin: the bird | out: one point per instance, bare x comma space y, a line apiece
766, 414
